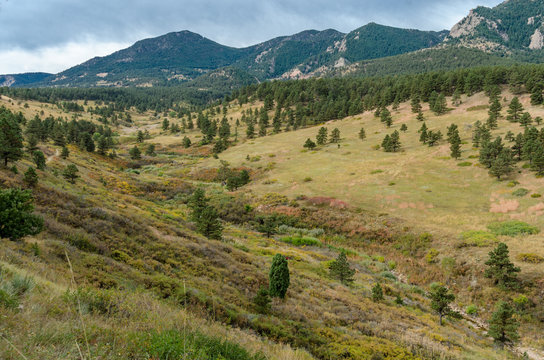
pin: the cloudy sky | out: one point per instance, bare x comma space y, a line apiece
52, 35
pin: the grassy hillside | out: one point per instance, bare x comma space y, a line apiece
145, 284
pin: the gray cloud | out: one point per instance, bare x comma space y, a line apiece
30, 25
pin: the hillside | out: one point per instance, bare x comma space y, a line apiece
123, 270
511, 25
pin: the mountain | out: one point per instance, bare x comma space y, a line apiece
510, 26
183, 56
22, 79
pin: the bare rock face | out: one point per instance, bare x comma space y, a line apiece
466, 26
537, 40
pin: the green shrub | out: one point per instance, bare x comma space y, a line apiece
512, 183
465, 163
376, 172
530, 258
8, 300
173, 344
512, 228
308, 179
477, 238
535, 196
388, 275
521, 302
472, 310
431, 256
520, 192
301, 241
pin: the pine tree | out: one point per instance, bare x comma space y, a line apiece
30, 177
64, 153
250, 131
209, 224
404, 128
416, 105
335, 136
197, 203
494, 113
362, 134
536, 94
503, 164
420, 116
433, 137
135, 153
262, 301
340, 269
514, 110
503, 327
16, 217
395, 141
39, 159
224, 130
377, 293
70, 173
165, 124
278, 277
440, 106
321, 137
186, 142
309, 144
150, 151
525, 120
441, 299
455, 145
140, 136
423, 133
385, 117
11, 139
538, 161
501, 269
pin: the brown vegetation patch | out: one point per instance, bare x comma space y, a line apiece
504, 206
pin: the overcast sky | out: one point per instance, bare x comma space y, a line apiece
53, 35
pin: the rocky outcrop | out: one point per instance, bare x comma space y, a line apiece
537, 40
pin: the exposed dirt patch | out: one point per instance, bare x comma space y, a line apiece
504, 206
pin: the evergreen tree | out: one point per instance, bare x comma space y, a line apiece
262, 301
150, 151
377, 293
423, 133
39, 159
186, 142
503, 164
514, 110
501, 269
503, 327
362, 134
395, 141
309, 144
209, 224
11, 138
525, 120
165, 124
455, 145
30, 177
433, 137
416, 105
103, 145
250, 131
321, 137
267, 224
441, 299
32, 144
64, 153
440, 106
140, 136
278, 277
197, 203
536, 94
224, 130
385, 117
70, 173
538, 161
335, 136
135, 153
340, 269
420, 116
404, 128
16, 207
494, 113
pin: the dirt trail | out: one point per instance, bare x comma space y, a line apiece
479, 323
50, 158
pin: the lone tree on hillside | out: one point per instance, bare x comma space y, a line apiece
11, 139
377, 293
135, 153
309, 144
70, 173
16, 218
267, 224
515, 109
321, 137
279, 277
30, 177
335, 136
362, 134
503, 327
340, 269
501, 269
204, 215
441, 299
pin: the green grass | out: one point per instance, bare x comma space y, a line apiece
512, 228
477, 238
301, 241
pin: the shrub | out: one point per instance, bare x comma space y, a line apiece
376, 172
535, 196
530, 258
512, 183
477, 238
472, 310
465, 163
301, 241
521, 302
8, 300
431, 256
520, 192
512, 228
307, 179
